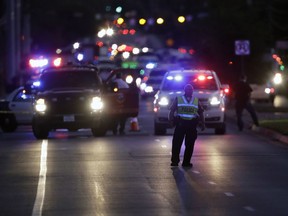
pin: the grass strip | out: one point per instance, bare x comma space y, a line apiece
279, 125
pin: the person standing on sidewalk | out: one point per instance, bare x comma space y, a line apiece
189, 116
242, 101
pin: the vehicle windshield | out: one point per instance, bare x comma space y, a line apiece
154, 81
154, 73
199, 82
69, 79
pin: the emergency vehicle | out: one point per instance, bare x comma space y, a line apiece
207, 88
74, 97
69, 97
16, 109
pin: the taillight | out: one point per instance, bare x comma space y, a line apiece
226, 90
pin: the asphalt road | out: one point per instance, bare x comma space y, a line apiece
240, 173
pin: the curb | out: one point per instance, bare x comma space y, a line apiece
271, 134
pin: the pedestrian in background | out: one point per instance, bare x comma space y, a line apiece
189, 114
242, 101
120, 120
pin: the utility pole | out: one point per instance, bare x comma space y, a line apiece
13, 34
11, 46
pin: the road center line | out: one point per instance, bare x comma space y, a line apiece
229, 194
249, 208
38, 204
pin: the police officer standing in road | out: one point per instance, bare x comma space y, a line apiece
189, 114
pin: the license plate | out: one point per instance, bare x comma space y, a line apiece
69, 118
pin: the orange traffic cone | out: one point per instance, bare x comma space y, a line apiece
134, 124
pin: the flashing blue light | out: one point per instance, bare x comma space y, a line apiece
36, 83
80, 57
178, 78
150, 65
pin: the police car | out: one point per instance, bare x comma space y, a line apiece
16, 109
207, 87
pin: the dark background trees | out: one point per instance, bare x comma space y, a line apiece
211, 32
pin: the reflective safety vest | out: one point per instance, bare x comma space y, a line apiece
187, 110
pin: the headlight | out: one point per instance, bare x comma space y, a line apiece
214, 101
143, 86
129, 79
277, 79
40, 105
96, 103
163, 101
149, 89
150, 65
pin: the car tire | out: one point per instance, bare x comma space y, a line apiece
98, 131
221, 130
9, 124
40, 131
159, 129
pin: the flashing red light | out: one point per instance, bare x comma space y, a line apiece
100, 43
226, 90
57, 62
125, 31
191, 51
132, 31
182, 50
201, 77
145, 78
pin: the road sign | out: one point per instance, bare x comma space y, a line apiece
242, 47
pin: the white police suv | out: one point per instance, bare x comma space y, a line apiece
207, 87
16, 109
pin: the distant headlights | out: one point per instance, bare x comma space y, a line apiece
148, 89
40, 105
96, 103
277, 79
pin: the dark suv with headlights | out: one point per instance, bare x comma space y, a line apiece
75, 97
67, 97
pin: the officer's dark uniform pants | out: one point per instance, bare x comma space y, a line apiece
239, 110
184, 129
119, 121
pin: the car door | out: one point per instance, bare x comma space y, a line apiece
22, 107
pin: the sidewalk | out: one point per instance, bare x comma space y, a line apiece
231, 116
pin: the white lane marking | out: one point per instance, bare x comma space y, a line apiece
212, 183
196, 172
229, 194
249, 208
157, 140
38, 204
